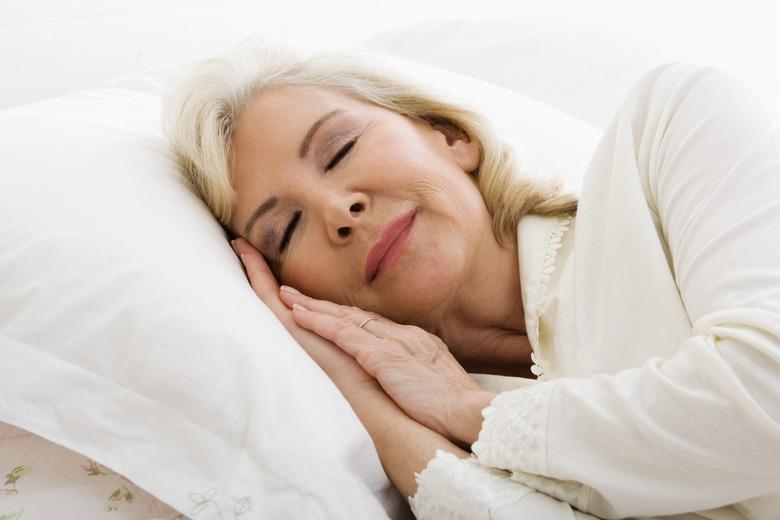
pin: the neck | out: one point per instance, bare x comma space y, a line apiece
485, 326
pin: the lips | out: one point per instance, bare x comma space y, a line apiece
386, 239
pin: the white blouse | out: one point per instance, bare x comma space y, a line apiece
654, 317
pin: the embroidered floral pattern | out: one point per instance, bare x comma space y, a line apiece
126, 492
12, 477
205, 500
120, 494
9, 488
93, 468
123, 493
57, 474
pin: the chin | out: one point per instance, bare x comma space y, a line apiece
419, 294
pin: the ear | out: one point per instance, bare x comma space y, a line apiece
463, 149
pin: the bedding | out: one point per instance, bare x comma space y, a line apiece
42, 480
128, 332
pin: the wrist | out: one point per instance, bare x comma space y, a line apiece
369, 398
467, 417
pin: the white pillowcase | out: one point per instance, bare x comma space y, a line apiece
129, 334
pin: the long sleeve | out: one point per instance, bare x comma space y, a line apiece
453, 488
697, 426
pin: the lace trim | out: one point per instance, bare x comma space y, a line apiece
514, 430
462, 489
554, 243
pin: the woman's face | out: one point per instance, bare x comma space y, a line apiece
329, 173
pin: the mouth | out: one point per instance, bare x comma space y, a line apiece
397, 229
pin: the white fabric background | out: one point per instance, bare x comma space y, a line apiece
50, 48
577, 56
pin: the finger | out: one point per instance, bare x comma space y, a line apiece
291, 295
262, 280
259, 273
341, 331
378, 326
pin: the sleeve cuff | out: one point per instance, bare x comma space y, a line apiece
574, 493
514, 430
454, 488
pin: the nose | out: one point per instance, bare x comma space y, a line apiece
344, 217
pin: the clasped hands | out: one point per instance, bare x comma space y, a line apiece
413, 367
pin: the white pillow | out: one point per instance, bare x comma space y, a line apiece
128, 332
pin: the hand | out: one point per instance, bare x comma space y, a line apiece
391, 430
344, 371
414, 367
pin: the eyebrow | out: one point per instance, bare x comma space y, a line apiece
313, 130
304, 149
262, 208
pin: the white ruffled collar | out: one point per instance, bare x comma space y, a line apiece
538, 241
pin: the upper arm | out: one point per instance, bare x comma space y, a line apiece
713, 181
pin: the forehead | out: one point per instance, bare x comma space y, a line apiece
283, 111
272, 126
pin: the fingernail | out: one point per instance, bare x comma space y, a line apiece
287, 288
299, 307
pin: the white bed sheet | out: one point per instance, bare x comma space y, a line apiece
43, 480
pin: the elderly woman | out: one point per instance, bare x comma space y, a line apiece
411, 252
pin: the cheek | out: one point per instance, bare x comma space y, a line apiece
440, 257
436, 267
314, 274
399, 155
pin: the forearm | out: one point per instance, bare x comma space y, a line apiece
466, 420
404, 446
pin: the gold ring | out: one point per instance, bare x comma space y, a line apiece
366, 321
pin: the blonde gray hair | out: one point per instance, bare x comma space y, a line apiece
205, 101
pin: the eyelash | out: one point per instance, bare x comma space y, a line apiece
341, 153
288, 232
297, 216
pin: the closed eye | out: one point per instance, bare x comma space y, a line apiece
340, 154
289, 231
297, 216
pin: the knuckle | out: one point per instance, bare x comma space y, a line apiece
357, 312
350, 312
411, 346
423, 344
416, 331
344, 328
413, 332
365, 360
342, 310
